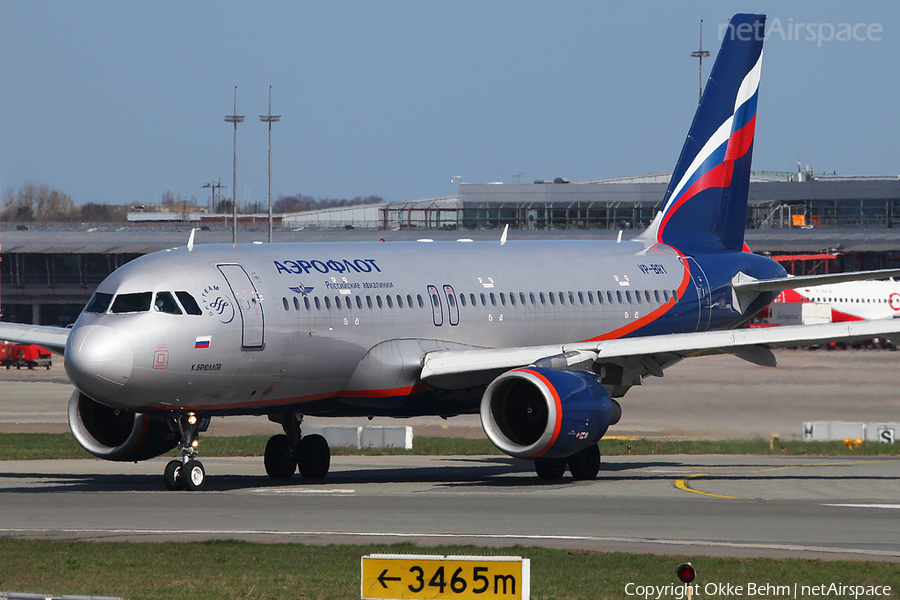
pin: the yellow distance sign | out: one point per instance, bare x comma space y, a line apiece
410, 576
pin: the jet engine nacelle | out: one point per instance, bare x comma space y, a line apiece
545, 413
116, 434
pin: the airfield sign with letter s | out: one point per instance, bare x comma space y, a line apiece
410, 576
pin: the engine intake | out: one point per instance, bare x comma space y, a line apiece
115, 434
538, 412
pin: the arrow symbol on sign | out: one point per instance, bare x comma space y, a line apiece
383, 577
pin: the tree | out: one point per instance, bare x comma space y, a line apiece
33, 202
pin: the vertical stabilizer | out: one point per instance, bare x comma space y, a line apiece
705, 206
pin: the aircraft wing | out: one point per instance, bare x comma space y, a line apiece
748, 284
453, 367
51, 338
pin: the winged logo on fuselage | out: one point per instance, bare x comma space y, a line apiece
301, 289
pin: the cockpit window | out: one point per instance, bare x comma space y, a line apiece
166, 303
190, 305
126, 303
99, 303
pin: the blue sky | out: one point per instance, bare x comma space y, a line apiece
118, 102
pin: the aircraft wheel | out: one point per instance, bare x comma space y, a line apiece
550, 468
172, 476
585, 465
280, 460
313, 456
193, 475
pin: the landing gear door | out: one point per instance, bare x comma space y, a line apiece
249, 304
437, 312
452, 306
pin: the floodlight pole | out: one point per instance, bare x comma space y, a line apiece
234, 118
270, 118
701, 54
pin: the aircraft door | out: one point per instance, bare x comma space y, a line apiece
249, 303
452, 306
437, 311
701, 286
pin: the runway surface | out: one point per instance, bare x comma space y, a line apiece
732, 506
685, 505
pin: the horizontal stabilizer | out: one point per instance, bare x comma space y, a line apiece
788, 283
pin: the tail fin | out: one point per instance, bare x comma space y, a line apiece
705, 206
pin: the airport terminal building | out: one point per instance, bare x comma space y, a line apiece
812, 224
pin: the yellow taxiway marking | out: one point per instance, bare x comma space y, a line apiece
682, 484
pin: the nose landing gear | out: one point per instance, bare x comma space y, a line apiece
187, 473
288, 451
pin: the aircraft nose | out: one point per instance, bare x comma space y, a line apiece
99, 360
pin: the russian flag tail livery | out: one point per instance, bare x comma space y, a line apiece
705, 206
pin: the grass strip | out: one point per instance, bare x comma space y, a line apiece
236, 569
25, 446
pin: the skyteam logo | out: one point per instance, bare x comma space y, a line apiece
301, 289
217, 304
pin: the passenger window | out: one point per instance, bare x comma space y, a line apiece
541, 295
637, 296
378, 301
531, 297
619, 296
522, 298
666, 295
129, 303
647, 295
656, 294
562, 298
369, 302
306, 303
337, 302
512, 298
493, 299
188, 303
581, 298
675, 295
99, 303
462, 299
419, 300
572, 299
502, 299
327, 302
451, 300
347, 302
590, 297
409, 301
399, 301
552, 298
390, 302
483, 301
296, 303
284, 301
609, 296
472, 300
359, 302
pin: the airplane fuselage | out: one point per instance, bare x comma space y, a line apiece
341, 328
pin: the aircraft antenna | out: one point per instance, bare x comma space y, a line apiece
503, 235
234, 118
701, 54
270, 118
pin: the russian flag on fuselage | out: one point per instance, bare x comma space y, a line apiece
705, 206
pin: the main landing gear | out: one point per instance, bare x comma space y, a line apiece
187, 473
287, 452
583, 465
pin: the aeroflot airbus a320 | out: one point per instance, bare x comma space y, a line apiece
537, 336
